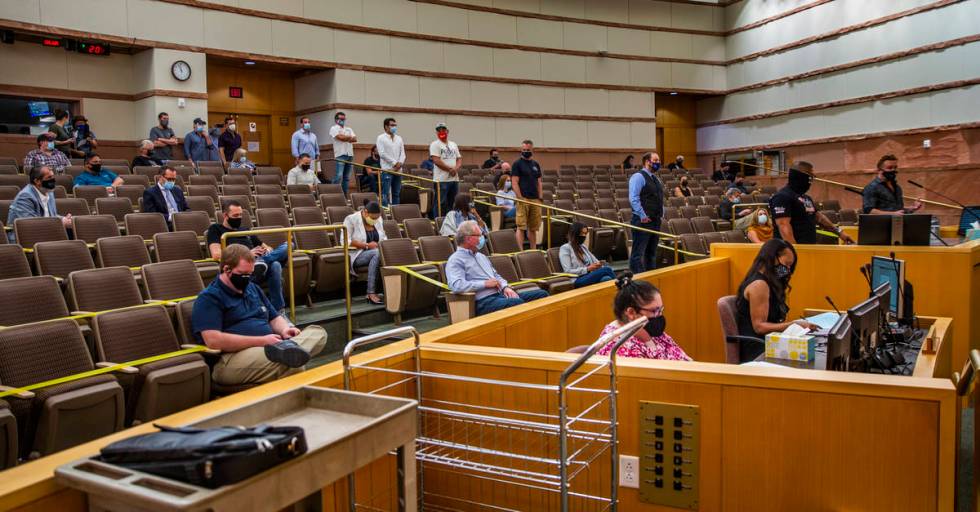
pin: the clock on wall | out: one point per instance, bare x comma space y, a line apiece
181, 70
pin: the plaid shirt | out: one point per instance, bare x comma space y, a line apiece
56, 160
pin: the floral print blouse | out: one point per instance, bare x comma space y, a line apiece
661, 347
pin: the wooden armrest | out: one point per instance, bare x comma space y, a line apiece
212, 351
125, 369
23, 395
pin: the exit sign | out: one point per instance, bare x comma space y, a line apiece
236, 92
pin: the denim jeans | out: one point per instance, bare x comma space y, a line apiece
643, 256
391, 189
447, 195
342, 174
498, 301
273, 276
371, 259
599, 275
510, 213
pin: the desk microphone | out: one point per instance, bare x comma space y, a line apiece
867, 275
832, 303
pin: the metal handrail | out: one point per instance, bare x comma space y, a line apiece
397, 173
289, 259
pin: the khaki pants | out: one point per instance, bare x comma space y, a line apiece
250, 366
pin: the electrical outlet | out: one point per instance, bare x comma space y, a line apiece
629, 471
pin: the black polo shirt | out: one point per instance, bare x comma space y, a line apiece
877, 195
802, 213
490, 162
528, 172
216, 230
222, 308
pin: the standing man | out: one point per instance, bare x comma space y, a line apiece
795, 212
525, 178
84, 137
447, 160
647, 202
883, 195
343, 149
46, 155
493, 163
165, 198
198, 144
163, 138
63, 141
391, 149
229, 140
304, 141
36, 199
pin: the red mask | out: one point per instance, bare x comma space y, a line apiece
443, 135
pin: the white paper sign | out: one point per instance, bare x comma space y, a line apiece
253, 145
251, 127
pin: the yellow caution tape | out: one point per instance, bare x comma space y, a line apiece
408, 270
828, 233
100, 371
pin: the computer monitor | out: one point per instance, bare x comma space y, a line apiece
875, 229
864, 319
968, 216
883, 292
886, 270
916, 229
839, 345
38, 108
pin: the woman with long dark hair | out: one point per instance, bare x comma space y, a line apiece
463, 210
576, 259
761, 306
633, 300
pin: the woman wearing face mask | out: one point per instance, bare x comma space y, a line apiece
682, 190
760, 306
463, 210
636, 299
240, 160
366, 233
760, 229
576, 259
504, 189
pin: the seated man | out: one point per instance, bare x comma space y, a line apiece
469, 270
269, 266
95, 175
234, 316
36, 199
144, 156
46, 155
166, 197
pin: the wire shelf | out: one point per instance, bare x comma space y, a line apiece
557, 442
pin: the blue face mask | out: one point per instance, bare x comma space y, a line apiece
655, 166
341, 122
169, 185
481, 243
199, 129
50, 145
306, 126
394, 130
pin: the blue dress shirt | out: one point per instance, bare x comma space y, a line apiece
468, 272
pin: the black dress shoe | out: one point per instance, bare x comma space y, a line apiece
258, 273
287, 353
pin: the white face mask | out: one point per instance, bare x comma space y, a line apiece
231, 127
507, 185
763, 218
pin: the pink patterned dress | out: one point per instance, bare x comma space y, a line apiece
661, 347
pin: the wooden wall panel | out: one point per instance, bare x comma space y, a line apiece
677, 116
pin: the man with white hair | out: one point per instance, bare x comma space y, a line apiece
144, 156
678, 164
469, 270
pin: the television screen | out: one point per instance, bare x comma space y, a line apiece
39, 108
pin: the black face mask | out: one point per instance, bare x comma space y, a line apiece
526, 154
305, 167
684, 183
239, 281
235, 223
783, 272
580, 239
799, 182
891, 175
96, 168
655, 326
495, 158
48, 184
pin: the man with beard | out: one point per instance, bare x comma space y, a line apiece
883, 195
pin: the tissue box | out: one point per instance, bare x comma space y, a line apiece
793, 348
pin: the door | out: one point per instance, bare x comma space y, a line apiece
254, 130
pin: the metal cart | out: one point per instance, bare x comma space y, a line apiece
554, 448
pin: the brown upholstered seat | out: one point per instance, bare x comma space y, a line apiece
162, 387
194, 221
504, 265
504, 242
402, 291
702, 225
13, 262
400, 212
8, 436
101, 289
692, 242
122, 251
184, 245
306, 199
31, 299
418, 228
738, 349
90, 193
203, 204
169, 280
534, 265
269, 201
31, 230
90, 228
62, 257
64, 415
736, 236
145, 224
303, 215
118, 207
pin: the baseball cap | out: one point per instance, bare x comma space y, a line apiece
441, 126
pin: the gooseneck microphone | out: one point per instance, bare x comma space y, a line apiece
832, 304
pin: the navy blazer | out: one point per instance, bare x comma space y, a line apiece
154, 202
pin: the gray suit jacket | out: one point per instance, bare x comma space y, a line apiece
27, 204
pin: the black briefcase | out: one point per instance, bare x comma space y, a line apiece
207, 457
